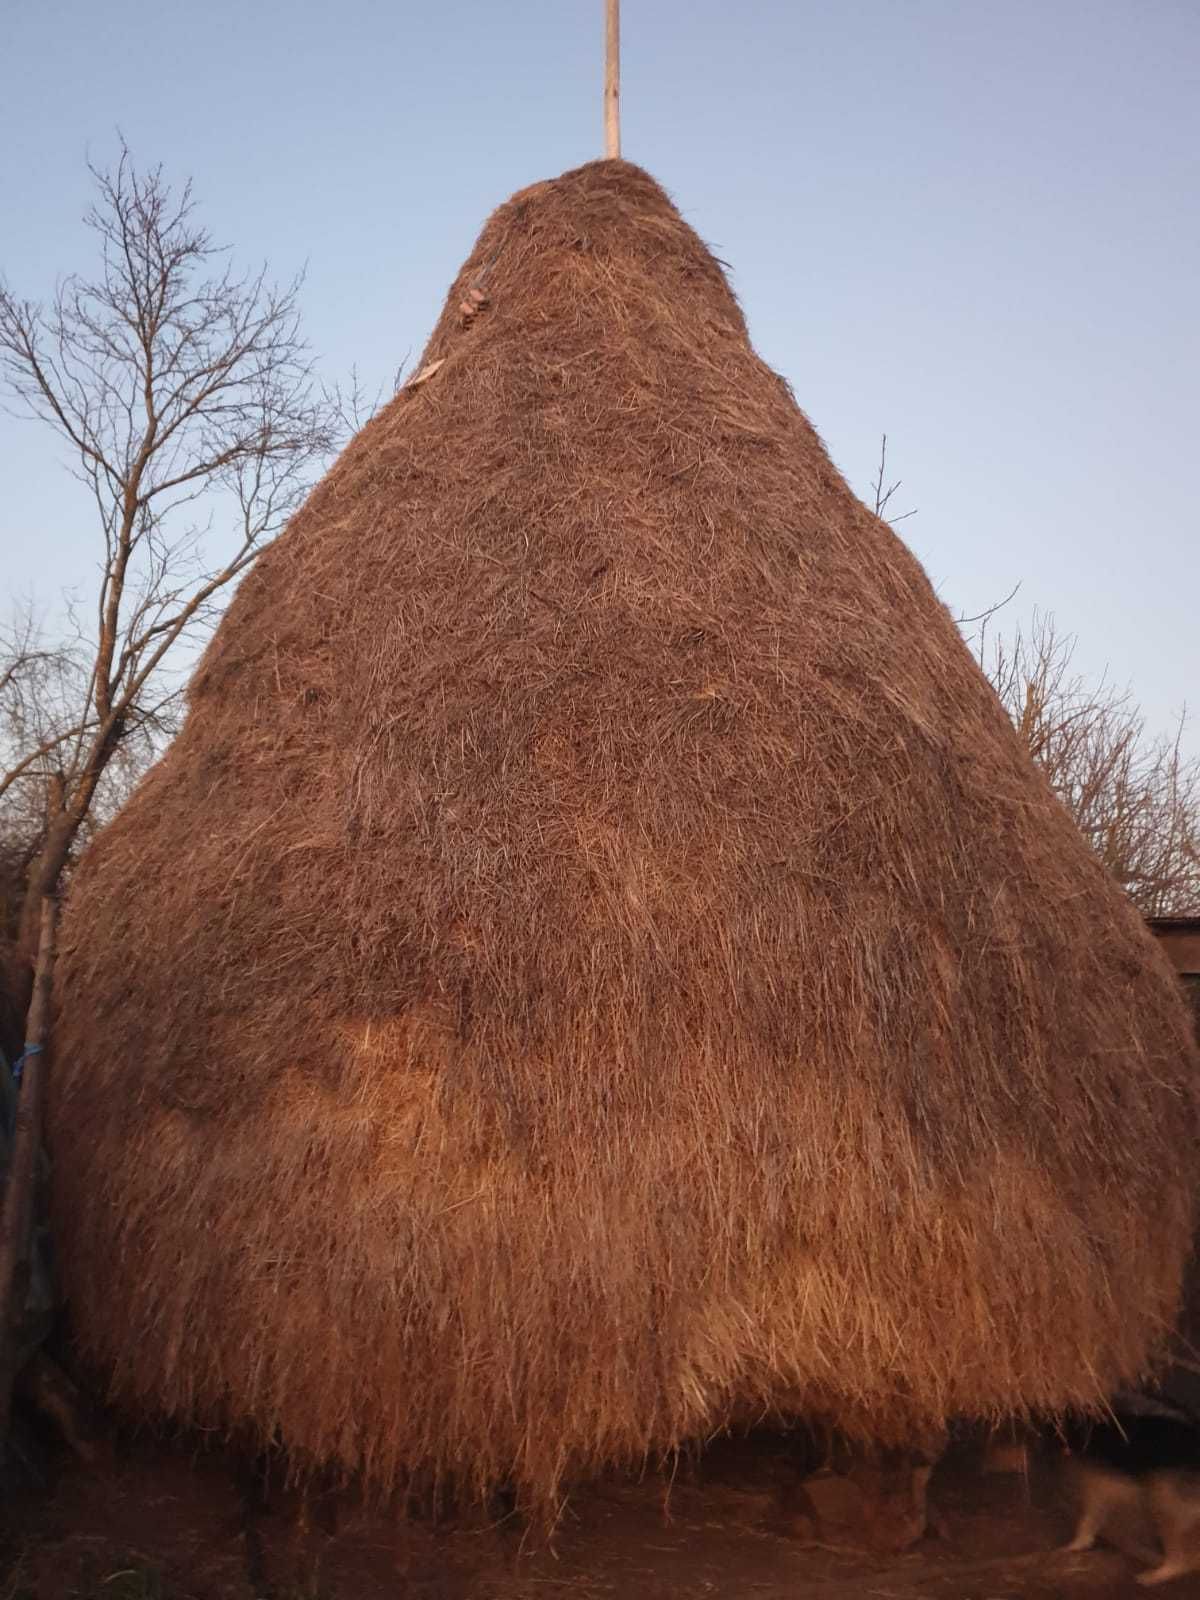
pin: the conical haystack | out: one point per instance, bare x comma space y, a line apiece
597, 960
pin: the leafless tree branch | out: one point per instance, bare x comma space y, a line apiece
1135, 797
883, 497
171, 379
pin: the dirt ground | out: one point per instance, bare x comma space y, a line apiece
164, 1523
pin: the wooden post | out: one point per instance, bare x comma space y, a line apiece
612, 80
27, 1131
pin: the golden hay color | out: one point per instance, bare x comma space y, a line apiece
597, 962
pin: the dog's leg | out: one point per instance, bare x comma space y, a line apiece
1100, 1494
1175, 1506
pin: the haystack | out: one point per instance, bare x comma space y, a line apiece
597, 962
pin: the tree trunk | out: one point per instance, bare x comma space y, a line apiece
17, 1211
42, 882
66, 813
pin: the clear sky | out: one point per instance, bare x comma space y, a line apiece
974, 224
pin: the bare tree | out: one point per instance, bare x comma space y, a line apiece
185, 395
883, 495
351, 405
39, 685
1135, 797
174, 382
43, 686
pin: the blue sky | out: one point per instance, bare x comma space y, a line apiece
973, 225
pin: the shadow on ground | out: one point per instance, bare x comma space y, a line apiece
163, 1523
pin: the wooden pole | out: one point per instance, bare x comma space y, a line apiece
612, 80
27, 1130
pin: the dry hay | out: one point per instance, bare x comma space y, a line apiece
597, 961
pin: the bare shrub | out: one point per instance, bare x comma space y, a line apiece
1134, 795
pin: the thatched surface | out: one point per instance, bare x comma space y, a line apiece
597, 960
